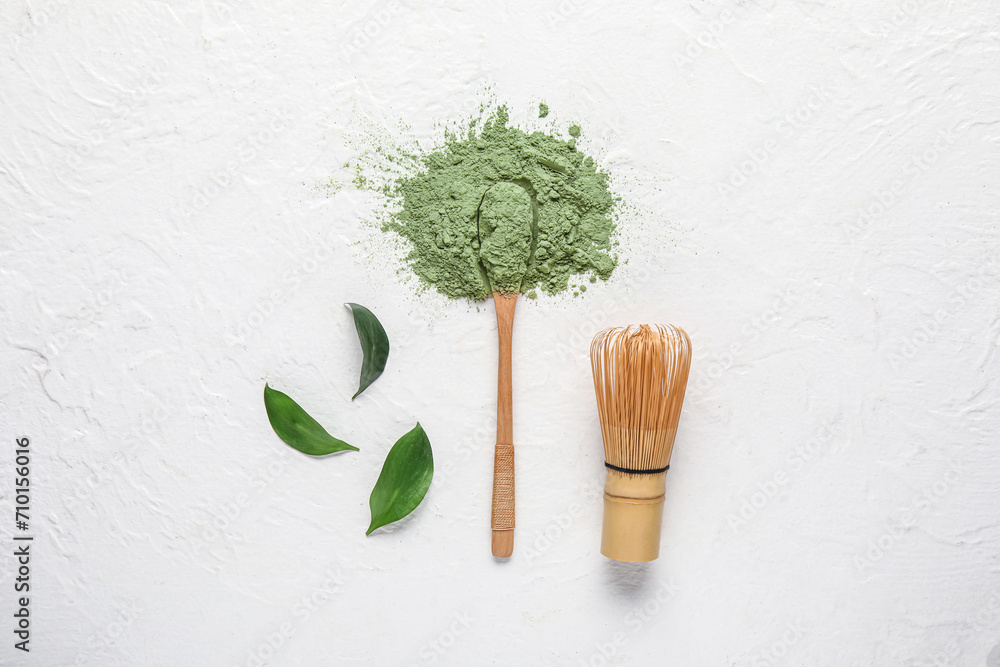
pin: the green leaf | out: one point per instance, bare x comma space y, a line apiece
297, 428
374, 344
404, 480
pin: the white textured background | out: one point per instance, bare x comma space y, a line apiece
812, 193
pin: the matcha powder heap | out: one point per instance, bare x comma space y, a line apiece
571, 209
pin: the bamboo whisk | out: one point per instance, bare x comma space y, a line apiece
640, 374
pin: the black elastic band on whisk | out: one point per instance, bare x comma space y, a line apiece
651, 471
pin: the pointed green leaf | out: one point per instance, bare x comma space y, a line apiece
297, 428
404, 480
374, 344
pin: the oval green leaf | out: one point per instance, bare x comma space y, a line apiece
374, 345
297, 428
404, 480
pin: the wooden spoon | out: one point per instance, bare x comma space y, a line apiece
505, 234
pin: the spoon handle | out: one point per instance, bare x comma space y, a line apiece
503, 458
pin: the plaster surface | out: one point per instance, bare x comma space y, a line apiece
811, 193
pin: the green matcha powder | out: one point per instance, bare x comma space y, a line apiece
571, 210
